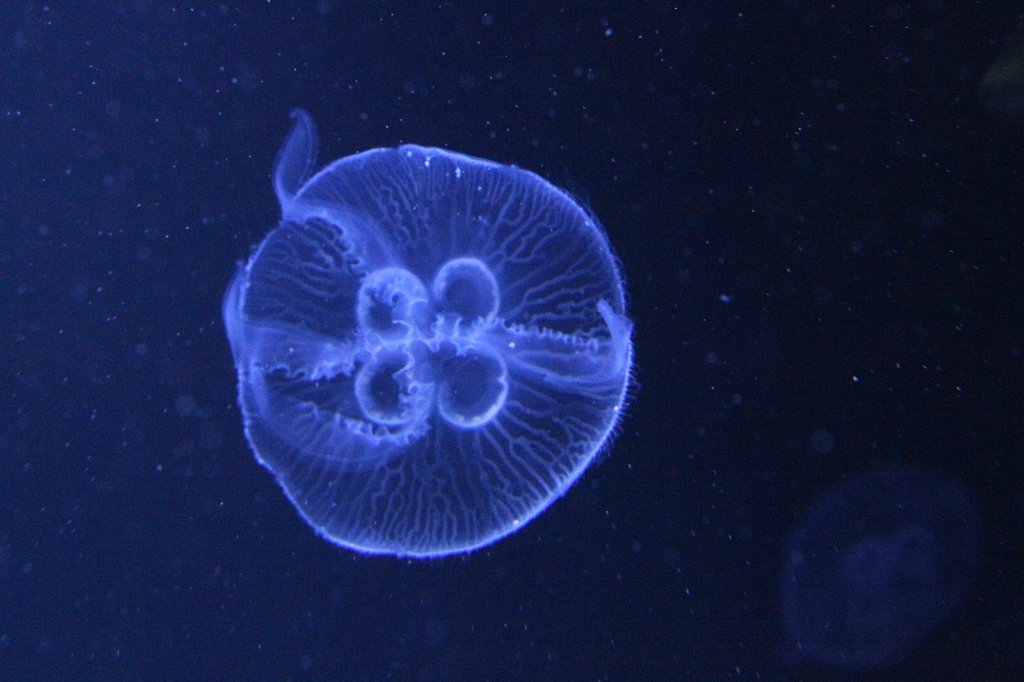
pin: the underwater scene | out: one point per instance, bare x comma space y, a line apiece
398, 340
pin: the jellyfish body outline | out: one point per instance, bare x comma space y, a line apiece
366, 337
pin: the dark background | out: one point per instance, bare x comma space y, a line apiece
821, 230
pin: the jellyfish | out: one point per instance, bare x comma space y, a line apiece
1002, 87
875, 564
430, 347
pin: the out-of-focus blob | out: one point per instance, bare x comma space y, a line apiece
1002, 87
874, 565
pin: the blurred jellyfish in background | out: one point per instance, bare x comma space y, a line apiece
1002, 87
875, 564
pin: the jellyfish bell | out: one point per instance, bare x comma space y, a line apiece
1001, 89
874, 565
430, 347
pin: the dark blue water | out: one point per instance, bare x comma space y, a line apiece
820, 228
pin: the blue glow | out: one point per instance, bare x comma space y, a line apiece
875, 564
430, 347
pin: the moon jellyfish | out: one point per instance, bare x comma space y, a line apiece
875, 564
430, 347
